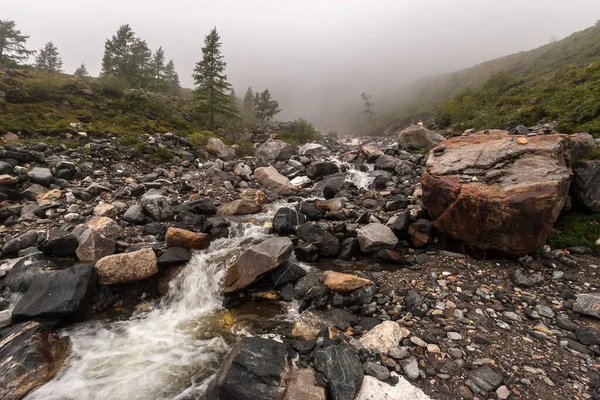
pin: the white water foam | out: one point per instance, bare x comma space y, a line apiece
167, 353
360, 179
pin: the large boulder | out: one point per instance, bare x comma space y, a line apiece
187, 239
239, 207
274, 150
586, 185
127, 267
418, 138
313, 149
29, 357
157, 206
374, 236
286, 220
256, 261
327, 244
255, 369
58, 294
320, 169
343, 371
220, 149
495, 195
272, 179
105, 226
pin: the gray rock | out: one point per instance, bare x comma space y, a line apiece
21, 242
274, 150
327, 244
220, 149
157, 206
588, 335
93, 246
418, 138
134, 214
544, 311
586, 185
320, 169
410, 366
43, 176
484, 379
376, 370
520, 279
588, 304
342, 369
313, 149
286, 220
373, 237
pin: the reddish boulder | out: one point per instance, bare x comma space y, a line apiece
493, 194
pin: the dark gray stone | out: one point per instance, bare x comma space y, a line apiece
287, 272
320, 169
376, 370
60, 243
585, 187
484, 379
21, 242
343, 371
327, 244
520, 279
43, 176
286, 220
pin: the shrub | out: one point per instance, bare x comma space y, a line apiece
200, 139
112, 86
302, 132
576, 230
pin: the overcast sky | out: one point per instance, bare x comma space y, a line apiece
314, 55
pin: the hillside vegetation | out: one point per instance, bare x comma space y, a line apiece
559, 81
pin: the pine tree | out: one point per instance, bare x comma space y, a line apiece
212, 89
81, 72
141, 58
117, 53
48, 59
367, 105
249, 100
12, 44
172, 78
158, 73
264, 107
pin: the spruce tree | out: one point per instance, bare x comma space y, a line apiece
117, 54
141, 57
12, 44
158, 73
212, 89
264, 107
249, 100
48, 59
172, 78
81, 72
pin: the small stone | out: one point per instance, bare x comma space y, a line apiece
454, 336
502, 392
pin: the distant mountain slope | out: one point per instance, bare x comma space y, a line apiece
554, 76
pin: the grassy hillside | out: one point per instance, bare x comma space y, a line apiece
555, 81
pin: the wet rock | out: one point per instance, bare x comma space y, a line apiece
373, 389
274, 150
342, 369
287, 272
418, 138
320, 169
29, 357
327, 244
586, 185
255, 195
301, 385
588, 304
93, 246
374, 236
272, 179
286, 220
256, 261
256, 368
239, 207
127, 267
526, 204
60, 243
157, 206
310, 211
174, 255
382, 337
176, 237
105, 226
43, 176
21, 242
484, 379
220, 149
333, 185
63, 294
344, 283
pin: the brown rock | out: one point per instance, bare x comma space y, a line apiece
176, 237
254, 195
49, 195
329, 205
127, 267
339, 282
302, 386
6, 180
239, 207
94, 246
272, 179
105, 210
511, 198
105, 226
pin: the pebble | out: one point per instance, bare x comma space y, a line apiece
454, 336
417, 341
502, 392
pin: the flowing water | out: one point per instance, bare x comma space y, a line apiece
361, 179
167, 353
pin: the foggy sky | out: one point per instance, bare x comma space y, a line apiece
315, 56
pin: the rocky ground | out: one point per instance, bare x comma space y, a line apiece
386, 308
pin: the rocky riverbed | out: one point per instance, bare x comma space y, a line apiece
399, 268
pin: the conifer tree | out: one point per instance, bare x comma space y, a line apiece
249, 100
367, 105
212, 89
172, 78
117, 53
81, 72
158, 72
12, 44
264, 107
48, 59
